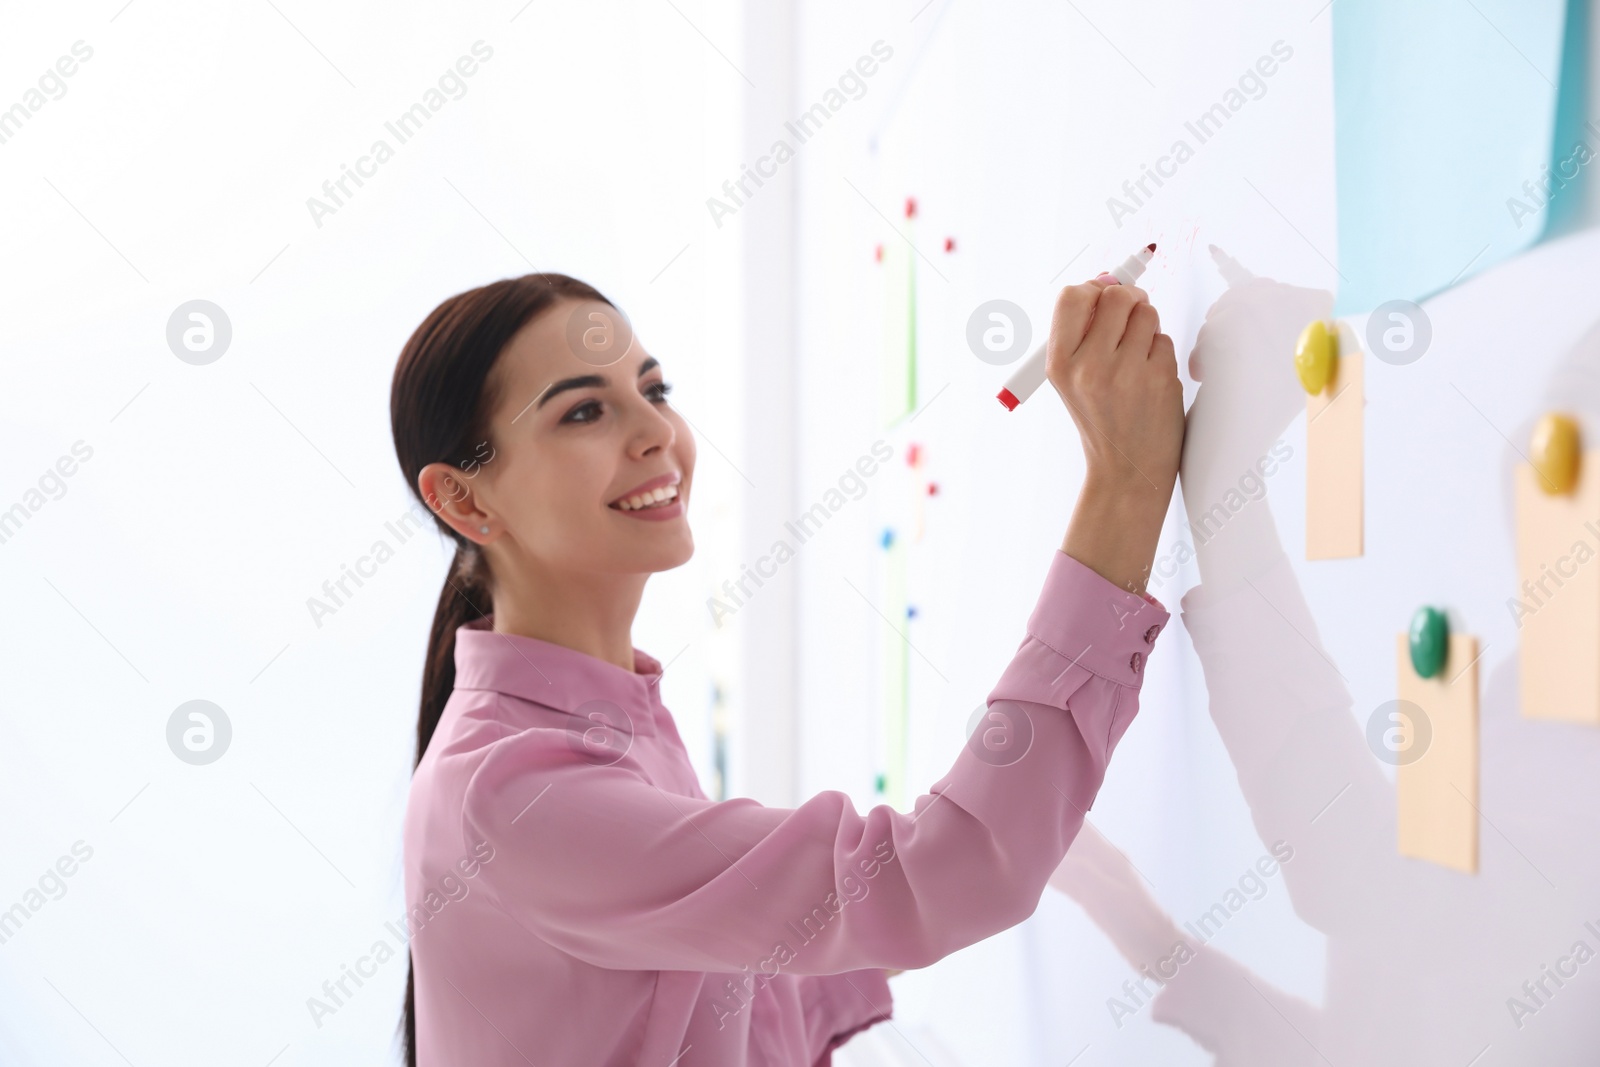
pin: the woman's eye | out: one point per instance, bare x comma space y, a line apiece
586, 406
657, 390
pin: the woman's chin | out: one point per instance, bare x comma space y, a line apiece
669, 549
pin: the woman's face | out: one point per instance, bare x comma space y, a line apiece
583, 421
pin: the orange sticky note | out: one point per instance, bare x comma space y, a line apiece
1556, 605
1437, 791
1334, 458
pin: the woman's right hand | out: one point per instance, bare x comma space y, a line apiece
1118, 375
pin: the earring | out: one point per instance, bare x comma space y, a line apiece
483, 529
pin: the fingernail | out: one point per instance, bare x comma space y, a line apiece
1103, 276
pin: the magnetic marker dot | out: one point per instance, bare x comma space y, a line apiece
1429, 639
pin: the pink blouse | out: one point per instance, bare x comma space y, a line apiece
575, 900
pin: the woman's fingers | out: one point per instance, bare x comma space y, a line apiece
1075, 316
1075, 307
1164, 354
1143, 323
1111, 314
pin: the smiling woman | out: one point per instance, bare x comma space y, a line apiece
549, 546
628, 918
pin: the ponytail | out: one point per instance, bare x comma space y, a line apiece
439, 404
465, 597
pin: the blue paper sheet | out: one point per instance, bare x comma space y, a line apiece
1445, 125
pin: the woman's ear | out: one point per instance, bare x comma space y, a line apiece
453, 500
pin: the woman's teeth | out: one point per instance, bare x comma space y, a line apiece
654, 499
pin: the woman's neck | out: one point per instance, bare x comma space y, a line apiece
588, 613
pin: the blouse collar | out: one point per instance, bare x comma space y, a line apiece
554, 675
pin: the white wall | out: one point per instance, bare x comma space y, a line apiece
178, 562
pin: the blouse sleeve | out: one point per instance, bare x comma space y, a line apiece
605, 865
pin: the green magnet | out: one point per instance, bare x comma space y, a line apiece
1429, 639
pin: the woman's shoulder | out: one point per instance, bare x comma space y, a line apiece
519, 736
476, 727
474, 721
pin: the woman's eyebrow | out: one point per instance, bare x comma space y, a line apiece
583, 382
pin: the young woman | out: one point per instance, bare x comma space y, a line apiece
573, 897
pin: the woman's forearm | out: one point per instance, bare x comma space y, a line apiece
1114, 530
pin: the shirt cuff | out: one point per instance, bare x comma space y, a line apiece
850, 1002
1086, 618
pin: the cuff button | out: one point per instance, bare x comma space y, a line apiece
1136, 662
1150, 634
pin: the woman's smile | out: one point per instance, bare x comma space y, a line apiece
656, 513
655, 499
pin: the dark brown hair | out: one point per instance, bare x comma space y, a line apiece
439, 408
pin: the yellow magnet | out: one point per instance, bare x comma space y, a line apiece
1315, 356
1554, 453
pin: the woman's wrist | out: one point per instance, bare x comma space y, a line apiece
1114, 530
